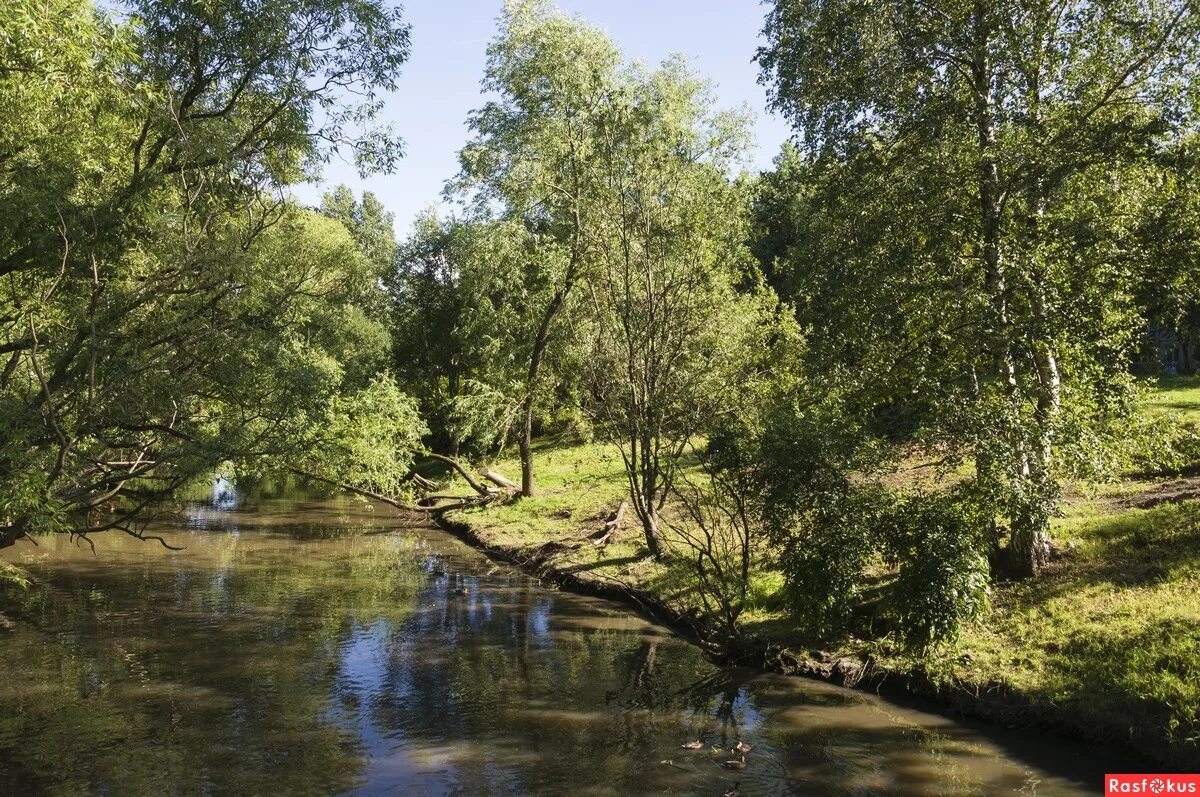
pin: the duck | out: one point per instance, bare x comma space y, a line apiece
696, 745
742, 748
737, 763
462, 591
734, 792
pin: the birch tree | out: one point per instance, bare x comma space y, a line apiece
1008, 137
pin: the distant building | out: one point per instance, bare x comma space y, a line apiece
1169, 355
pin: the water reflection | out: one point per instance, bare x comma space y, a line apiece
320, 647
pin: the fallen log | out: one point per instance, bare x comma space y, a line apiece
387, 499
466, 474
610, 525
499, 479
421, 482
432, 504
433, 498
457, 502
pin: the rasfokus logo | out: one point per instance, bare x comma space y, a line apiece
1151, 784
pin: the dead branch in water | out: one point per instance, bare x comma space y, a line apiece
432, 504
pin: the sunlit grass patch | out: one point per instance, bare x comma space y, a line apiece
577, 485
1178, 396
1112, 633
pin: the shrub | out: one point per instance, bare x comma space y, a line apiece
936, 542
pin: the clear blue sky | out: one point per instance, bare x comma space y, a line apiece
439, 84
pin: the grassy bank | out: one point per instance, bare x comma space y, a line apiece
1107, 640
1105, 644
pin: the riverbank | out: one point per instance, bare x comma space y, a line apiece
1105, 645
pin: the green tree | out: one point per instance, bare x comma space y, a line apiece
368, 221
533, 160
153, 321
459, 327
993, 153
669, 247
1170, 238
428, 310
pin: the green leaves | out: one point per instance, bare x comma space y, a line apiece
161, 310
937, 543
961, 234
367, 438
275, 86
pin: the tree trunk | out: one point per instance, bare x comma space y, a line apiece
643, 507
645, 484
540, 342
654, 543
1028, 546
643, 501
990, 193
526, 446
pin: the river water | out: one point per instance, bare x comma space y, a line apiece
319, 647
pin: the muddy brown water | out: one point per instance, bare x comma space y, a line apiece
301, 647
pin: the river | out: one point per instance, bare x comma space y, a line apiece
299, 647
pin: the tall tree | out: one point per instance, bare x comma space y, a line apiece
1015, 129
150, 326
532, 160
669, 243
368, 221
1170, 237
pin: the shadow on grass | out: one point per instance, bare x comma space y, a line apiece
1178, 382
1135, 548
600, 564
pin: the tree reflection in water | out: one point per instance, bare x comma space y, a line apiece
319, 646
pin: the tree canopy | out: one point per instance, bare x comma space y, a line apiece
164, 309
951, 267
973, 174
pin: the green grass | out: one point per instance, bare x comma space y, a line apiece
1175, 395
1110, 634
577, 486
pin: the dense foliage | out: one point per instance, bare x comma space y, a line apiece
164, 309
950, 270
962, 225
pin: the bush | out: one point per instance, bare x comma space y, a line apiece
1163, 445
824, 561
840, 535
937, 545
